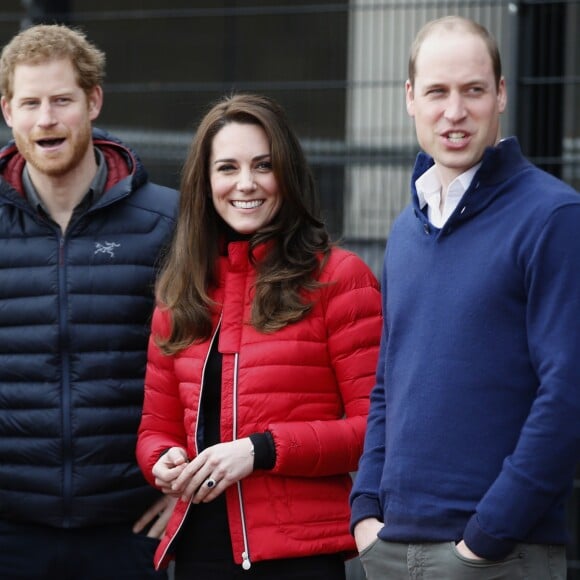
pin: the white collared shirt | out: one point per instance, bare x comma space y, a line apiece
429, 192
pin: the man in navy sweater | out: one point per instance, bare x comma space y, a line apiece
474, 429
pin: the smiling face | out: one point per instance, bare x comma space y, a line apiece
50, 117
244, 188
455, 100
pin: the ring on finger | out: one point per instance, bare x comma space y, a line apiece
210, 482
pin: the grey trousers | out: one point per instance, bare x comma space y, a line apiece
441, 561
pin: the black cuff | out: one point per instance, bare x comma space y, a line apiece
264, 450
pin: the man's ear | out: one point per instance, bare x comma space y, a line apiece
95, 102
6, 111
409, 98
502, 95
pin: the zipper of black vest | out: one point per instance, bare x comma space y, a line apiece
63, 333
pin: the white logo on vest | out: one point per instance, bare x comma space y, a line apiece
106, 248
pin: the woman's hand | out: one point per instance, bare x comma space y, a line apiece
214, 470
168, 468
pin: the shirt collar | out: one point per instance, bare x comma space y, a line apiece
428, 185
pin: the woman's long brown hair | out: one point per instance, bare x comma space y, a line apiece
297, 238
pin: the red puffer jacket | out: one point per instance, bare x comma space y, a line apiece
308, 384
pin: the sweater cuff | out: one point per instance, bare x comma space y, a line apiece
484, 545
264, 450
365, 506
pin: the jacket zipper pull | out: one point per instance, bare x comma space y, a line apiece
246, 564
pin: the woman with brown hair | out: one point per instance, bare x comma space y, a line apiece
262, 356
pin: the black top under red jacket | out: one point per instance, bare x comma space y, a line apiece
74, 322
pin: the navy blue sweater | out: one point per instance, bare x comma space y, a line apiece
474, 428
74, 324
